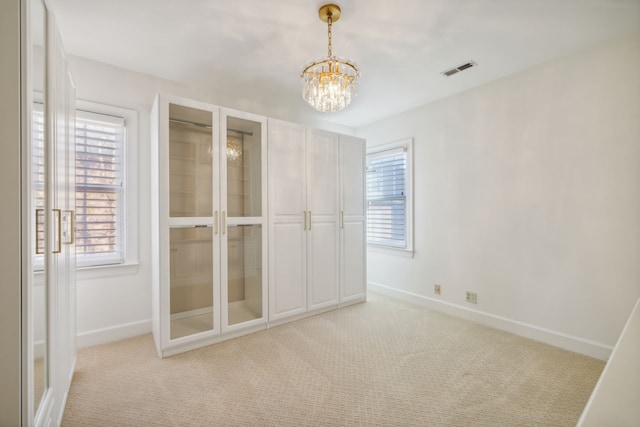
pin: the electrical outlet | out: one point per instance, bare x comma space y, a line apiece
436, 289
472, 297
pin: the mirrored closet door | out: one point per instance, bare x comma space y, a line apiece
39, 378
50, 210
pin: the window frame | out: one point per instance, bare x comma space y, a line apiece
376, 150
129, 212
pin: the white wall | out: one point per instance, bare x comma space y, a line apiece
116, 307
527, 191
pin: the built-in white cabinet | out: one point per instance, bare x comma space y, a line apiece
210, 234
353, 231
316, 220
255, 222
322, 219
287, 220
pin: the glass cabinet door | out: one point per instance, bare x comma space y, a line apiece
193, 237
244, 167
244, 271
190, 162
243, 199
191, 281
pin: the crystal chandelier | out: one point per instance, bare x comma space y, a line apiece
329, 82
234, 149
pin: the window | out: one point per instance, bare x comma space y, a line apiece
389, 195
37, 157
105, 192
100, 184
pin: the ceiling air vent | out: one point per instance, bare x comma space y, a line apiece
459, 68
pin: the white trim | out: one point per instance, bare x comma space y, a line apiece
65, 397
90, 114
347, 303
547, 336
113, 333
281, 321
407, 145
389, 250
181, 347
42, 417
130, 179
95, 272
108, 270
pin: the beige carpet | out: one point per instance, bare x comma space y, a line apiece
383, 362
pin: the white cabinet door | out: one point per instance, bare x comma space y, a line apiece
189, 241
287, 220
352, 220
322, 207
186, 237
243, 192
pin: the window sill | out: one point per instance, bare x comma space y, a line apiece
102, 271
388, 250
95, 272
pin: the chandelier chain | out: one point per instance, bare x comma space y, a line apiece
329, 22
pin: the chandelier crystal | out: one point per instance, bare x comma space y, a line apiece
234, 149
329, 82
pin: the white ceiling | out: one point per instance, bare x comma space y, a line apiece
254, 49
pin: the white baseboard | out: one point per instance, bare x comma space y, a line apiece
65, 398
115, 333
289, 319
174, 349
556, 339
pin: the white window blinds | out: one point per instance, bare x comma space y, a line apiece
99, 188
37, 157
387, 198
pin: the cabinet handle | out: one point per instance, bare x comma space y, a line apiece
341, 219
215, 222
224, 222
304, 216
58, 230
